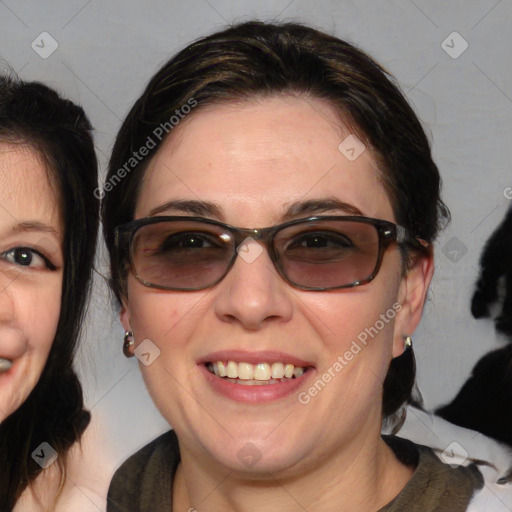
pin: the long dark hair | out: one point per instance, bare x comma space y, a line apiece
259, 59
34, 115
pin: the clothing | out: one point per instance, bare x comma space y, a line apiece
144, 480
423, 427
143, 483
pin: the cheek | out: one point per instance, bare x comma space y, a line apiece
161, 317
357, 330
354, 315
41, 333
36, 313
169, 321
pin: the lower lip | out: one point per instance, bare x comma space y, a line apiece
255, 394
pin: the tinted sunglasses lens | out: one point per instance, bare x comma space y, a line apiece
178, 255
328, 254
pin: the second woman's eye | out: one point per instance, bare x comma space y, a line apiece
184, 241
321, 240
27, 257
319, 247
188, 248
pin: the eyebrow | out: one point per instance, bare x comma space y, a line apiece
315, 206
192, 207
35, 226
293, 210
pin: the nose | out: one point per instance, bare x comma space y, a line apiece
253, 294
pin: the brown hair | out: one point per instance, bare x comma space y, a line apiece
258, 59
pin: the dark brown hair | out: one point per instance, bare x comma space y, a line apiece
34, 115
258, 59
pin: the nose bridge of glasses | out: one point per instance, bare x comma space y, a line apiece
251, 243
259, 235
249, 246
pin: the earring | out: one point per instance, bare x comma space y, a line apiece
407, 342
128, 343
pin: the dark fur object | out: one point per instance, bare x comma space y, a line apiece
485, 401
496, 262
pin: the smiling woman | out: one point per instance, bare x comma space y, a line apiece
32, 264
48, 225
291, 213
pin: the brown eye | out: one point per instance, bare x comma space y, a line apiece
26, 257
187, 241
319, 240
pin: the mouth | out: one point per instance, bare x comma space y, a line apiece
260, 374
5, 364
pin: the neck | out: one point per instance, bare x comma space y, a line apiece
354, 478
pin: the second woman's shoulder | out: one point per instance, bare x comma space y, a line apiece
142, 481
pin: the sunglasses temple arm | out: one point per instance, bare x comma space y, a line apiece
403, 236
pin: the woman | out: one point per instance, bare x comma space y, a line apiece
270, 209
49, 218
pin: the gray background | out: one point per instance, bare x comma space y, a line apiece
107, 50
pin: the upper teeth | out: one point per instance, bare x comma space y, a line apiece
260, 371
5, 364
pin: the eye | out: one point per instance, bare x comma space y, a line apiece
189, 240
186, 248
27, 257
320, 240
319, 247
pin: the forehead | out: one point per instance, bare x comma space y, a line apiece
256, 158
25, 189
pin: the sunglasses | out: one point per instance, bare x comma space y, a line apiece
316, 253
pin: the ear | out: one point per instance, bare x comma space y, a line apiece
411, 296
124, 316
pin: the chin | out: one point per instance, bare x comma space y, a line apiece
254, 455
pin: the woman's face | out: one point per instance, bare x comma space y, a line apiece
254, 161
30, 273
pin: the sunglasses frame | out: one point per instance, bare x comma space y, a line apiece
388, 232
